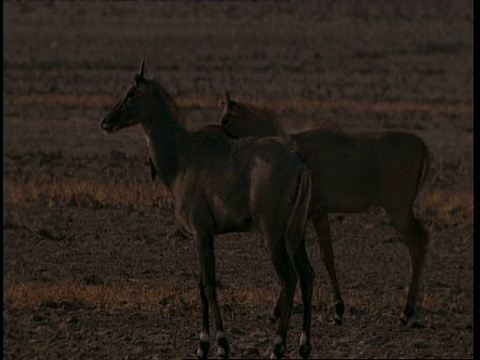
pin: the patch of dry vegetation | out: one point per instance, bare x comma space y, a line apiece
88, 193
114, 296
145, 297
78, 295
450, 207
301, 105
312, 106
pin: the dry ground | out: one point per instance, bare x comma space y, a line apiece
93, 267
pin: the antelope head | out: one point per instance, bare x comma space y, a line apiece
134, 108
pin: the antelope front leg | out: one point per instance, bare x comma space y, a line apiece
277, 310
204, 346
207, 270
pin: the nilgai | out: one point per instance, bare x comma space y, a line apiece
350, 173
221, 185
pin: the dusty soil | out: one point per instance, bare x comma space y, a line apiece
93, 267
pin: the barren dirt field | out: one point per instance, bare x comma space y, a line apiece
94, 267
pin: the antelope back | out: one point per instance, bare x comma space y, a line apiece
240, 120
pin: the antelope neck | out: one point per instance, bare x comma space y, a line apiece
161, 135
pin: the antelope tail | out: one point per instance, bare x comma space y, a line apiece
425, 171
297, 222
153, 171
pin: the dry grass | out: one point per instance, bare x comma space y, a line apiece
88, 193
115, 296
450, 207
76, 295
308, 106
145, 297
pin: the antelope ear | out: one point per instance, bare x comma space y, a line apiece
139, 76
226, 102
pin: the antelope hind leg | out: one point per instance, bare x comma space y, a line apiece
322, 228
416, 239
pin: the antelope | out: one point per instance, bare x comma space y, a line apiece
350, 173
221, 185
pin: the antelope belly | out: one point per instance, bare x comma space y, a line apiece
230, 215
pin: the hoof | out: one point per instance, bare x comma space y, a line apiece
222, 354
304, 351
273, 319
407, 314
275, 316
278, 351
275, 356
202, 351
339, 311
223, 349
